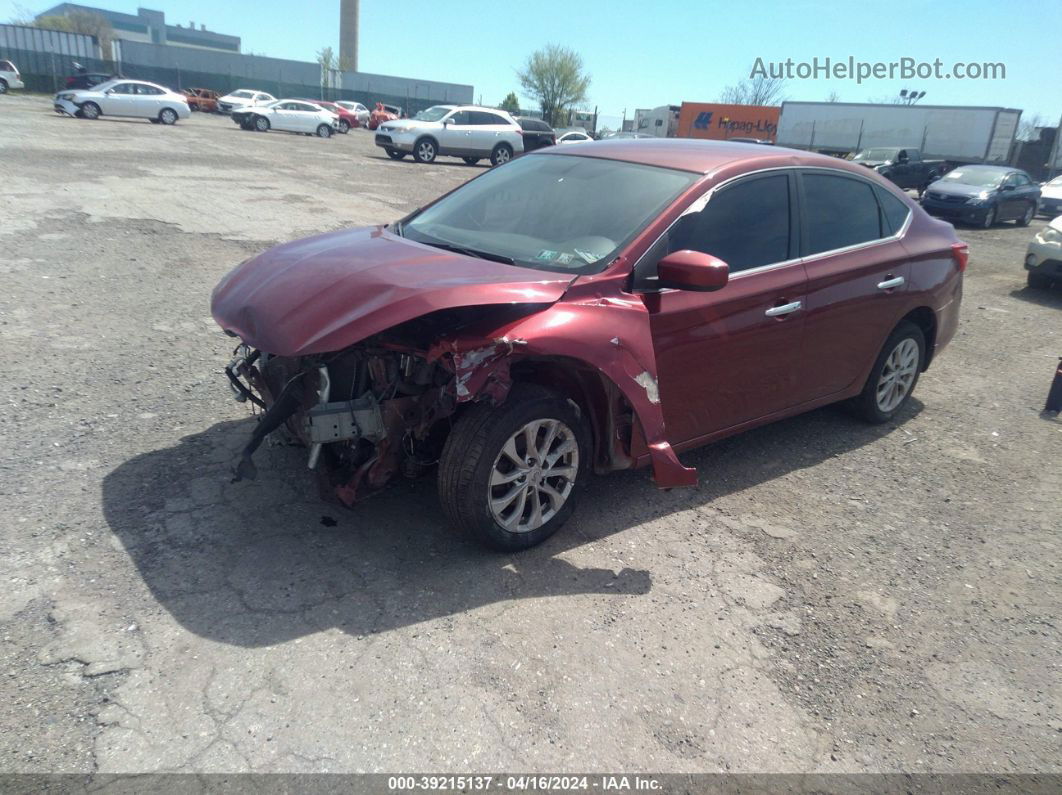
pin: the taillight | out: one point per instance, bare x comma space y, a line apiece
961, 253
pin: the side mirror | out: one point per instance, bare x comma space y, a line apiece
692, 270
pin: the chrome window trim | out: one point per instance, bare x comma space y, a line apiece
701, 202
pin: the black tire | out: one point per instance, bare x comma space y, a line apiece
324, 131
3, 86
989, 219
91, 111
394, 154
168, 116
425, 150
470, 160
193, 108
261, 124
1038, 281
344, 126
154, 121
501, 155
866, 404
475, 444
1027, 217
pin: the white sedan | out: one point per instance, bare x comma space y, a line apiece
243, 98
573, 137
131, 98
359, 110
289, 115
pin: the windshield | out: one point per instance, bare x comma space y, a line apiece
551, 212
978, 177
877, 154
432, 114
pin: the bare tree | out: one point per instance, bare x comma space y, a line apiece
87, 23
833, 96
554, 78
1027, 127
327, 60
754, 91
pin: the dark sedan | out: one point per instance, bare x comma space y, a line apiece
983, 196
537, 134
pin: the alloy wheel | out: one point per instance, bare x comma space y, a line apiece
533, 475
897, 375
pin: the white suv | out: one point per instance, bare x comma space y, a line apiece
466, 131
9, 76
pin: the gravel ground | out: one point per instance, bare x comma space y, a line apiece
833, 597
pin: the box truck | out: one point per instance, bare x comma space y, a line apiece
955, 134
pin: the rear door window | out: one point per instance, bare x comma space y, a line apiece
840, 211
896, 212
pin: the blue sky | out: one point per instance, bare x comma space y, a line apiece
644, 53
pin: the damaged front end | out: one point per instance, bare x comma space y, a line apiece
367, 413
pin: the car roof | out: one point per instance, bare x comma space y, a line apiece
702, 156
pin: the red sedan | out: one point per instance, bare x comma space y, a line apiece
585, 309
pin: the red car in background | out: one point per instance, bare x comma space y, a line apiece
202, 99
585, 309
382, 113
346, 118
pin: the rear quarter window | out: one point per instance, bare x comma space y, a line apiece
896, 212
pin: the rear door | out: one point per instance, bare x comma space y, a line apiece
857, 270
148, 100
731, 356
489, 129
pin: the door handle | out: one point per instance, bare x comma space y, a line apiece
784, 309
888, 284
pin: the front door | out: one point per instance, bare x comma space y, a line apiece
732, 356
119, 100
455, 137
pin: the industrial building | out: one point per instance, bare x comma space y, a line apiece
150, 27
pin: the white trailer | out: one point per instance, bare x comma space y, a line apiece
942, 132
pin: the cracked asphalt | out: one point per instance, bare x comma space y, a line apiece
832, 597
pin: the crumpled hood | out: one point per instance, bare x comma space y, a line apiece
324, 293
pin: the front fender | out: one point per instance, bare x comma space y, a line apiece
609, 334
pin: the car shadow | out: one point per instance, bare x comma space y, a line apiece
1040, 296
409, 161
258, 563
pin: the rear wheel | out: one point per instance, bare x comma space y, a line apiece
471, 160
509, 475
261, 123
324, 131
394, 154
3, 86
894, 375
1027, 216
168, 116
425, 150
501, 155
90, 110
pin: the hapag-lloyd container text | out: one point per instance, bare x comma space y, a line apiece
721, 122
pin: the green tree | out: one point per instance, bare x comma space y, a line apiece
510, 103
327, 59
84, 22
554, 78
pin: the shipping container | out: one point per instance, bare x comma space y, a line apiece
720, 122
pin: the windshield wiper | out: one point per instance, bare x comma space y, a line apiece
471, 252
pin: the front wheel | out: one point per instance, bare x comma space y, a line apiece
501, 155
509, 475
90, 110
989, 219
394, 154
894, 375
3, 86
344, 127
424, 150
1027, 217
261, 123
168, 116
1038, 281
324, 131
